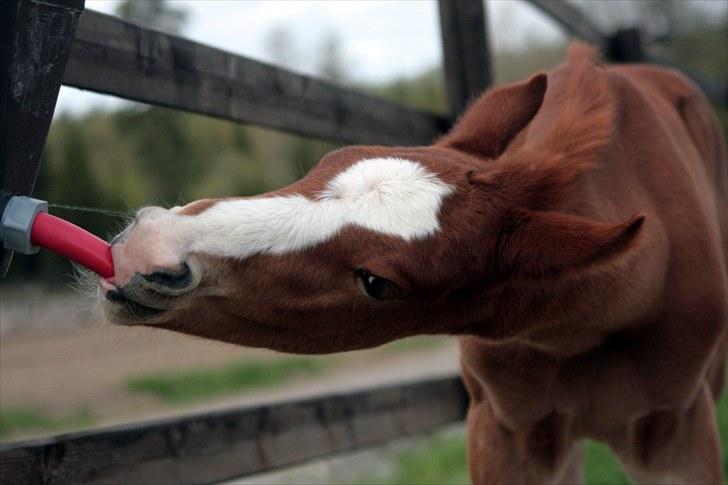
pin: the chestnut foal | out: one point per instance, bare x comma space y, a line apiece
575, 237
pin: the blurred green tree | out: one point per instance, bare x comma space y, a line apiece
158, 14
76, 184
331, 60
279, 46
162, 150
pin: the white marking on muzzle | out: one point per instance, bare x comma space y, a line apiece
391, 196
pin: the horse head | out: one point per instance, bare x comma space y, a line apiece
375, 243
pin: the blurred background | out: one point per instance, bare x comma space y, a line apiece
62, 369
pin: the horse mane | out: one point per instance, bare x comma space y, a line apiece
539, 174
586, 123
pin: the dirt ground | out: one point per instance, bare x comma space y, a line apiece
58, 367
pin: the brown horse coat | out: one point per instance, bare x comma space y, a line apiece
573, 229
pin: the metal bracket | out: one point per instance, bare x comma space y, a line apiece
16, 223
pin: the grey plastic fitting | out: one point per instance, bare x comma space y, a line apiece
17, 222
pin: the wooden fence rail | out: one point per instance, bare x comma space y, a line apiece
220, 445
115, 57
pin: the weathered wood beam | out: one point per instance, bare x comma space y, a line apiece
35, 39
466, 51
116, 57
215, 446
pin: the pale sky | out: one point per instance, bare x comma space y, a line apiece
380, 40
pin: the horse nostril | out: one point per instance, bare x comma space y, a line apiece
171, 280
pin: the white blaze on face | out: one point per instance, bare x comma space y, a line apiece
390, 196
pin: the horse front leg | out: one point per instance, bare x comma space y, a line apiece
541, 454
674, 446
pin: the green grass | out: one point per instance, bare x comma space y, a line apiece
15, 420
184, 386
196, 384
722, 413
420, 342
601, 467
437, 460
442, 459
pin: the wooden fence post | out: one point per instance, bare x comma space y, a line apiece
625, 45
35, 40
466, 51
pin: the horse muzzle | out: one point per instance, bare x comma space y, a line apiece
145, 296
153, 271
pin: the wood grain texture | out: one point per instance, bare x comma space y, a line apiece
116, 57
214, 446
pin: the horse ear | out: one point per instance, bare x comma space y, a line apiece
494, 119
539, 243
542, 172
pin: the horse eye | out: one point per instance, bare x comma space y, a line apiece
376, 287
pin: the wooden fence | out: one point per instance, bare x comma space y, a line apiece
214, 446
46, 43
